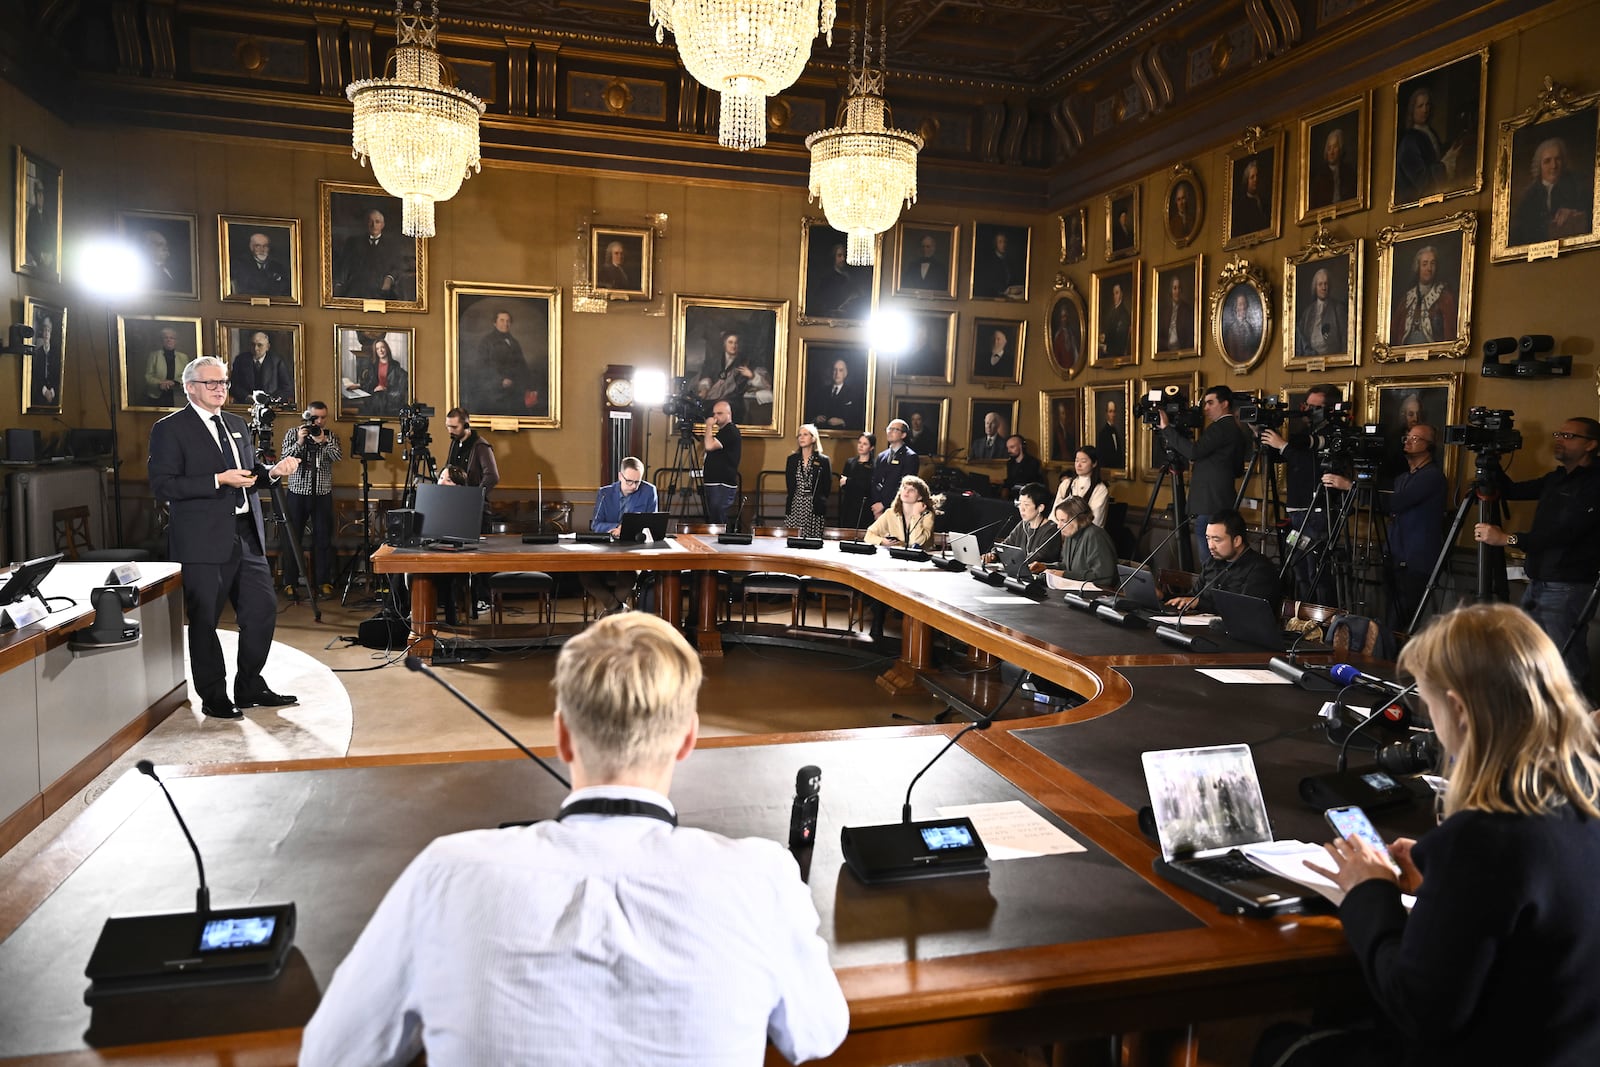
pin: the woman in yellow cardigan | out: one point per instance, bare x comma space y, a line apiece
909, 523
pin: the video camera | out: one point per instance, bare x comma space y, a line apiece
1361, 446
264, 408
414, 424
1488, 432
685, 405
1263, 413
1175, 403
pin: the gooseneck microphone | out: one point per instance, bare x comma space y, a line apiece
979, 724
1348, 674
1105, 606
202, 895
1398, 692
414, 663
803, 812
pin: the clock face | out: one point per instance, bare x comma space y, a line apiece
619, 392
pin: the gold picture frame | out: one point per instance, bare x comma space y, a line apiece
1241, 315
847, 413
36, 231
930, 356
1546, 192
1176, 330
832, 292
353, 272
1065, 328
1335, 160
996, 351
139, 344
44, 373
1114, 324
236, 342
1435, 398
1190, 382
1122, 223
1074, 235
622, 262
1183, 209
1060, 419
999, 266
1430, 167
932, 441
167, 243
1418, 301
503, 354
355, 368
249, 274
1252, 205
935, 246
1110, 431
1292, 395
701, 328
1316, 338
1009, 411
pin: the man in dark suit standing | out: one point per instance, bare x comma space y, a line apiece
203, 465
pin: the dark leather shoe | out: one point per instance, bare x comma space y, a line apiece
221, 711
265, 698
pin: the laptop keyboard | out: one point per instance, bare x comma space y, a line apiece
1221, 870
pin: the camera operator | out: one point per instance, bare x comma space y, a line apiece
1416, 509
1216, 459
1298, 453
311, 495
471, 462
1563, 545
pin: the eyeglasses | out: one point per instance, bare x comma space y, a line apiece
212, 383
1419, 437
632, 483
1565, 436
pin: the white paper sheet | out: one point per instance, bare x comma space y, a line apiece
1242, 675
1012, 830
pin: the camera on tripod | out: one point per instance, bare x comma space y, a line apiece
414, 424
1175, 402
264, 408
1260, 413
685, 406
1488, 432
1337, 442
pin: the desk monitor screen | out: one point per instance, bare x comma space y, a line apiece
636, 522
25, 580
450, 512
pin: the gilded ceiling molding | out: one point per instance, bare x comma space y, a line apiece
992, 124
544, 79
1141, 81
1289, 19
1158, 76
163, 52
125, 26
328, 56
1131, 37
1069, 132
517, 80
1016, 130
360, 50
1265, 30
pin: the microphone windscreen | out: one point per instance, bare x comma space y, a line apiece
1344, 673
414, 663
807, 780
146, 767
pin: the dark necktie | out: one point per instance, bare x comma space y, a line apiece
228, 457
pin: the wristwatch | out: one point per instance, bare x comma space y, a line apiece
1511, 540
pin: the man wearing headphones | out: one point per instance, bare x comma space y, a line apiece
1416, 522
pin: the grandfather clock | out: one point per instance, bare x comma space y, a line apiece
623, 421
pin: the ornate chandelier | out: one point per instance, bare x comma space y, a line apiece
746, 50
418, 130
862, 171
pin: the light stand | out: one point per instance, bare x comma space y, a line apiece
111, 269
368, 441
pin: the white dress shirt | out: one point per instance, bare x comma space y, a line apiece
596, 939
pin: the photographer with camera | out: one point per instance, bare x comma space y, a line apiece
1216, 458
1302, 470
311, 495
1563, 544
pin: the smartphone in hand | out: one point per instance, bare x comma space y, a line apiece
1353, 821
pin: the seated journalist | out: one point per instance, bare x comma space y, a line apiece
1087, 552
608, 934
1495, 964
1234, 566
629, 494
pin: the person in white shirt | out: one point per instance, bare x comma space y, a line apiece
606, 935
1085, 482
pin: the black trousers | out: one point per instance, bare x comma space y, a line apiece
319, 509
245, 581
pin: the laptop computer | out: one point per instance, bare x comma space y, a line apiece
636, 522
1207, 804
964, 547
450, 512
1013, 561
1252, 620
1138, 587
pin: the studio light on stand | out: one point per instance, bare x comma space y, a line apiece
111, 270
649, 393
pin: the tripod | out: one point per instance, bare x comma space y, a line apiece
1172, 465
1271, 500
360, 565
261, 428
687, 460
420, 464
1485, 492
1366, 537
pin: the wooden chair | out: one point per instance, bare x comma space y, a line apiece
823, 590
71, 529
769, 583
523, 583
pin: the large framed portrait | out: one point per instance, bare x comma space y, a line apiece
1074, 235
999, 262
832, 292
1438, 139
1189, 382
1066, 328
166, 242
1107, 408
734, 350
1122, 223
1184, 207
930, 354
1396, 403
929, 419
503, 353
989, 423
1425, 289
43, 373
152, 351
366, 261
1175, 329
36, 233
925, 259
1254, 199
1060, 419
995, 353
836, 387
264, 356
373, 365
1335, 147
621, 262
1241, 315
1322, 304
1546, 199
1114, 324
259, 259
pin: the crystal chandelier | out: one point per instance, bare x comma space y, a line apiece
746, 50
418, 130
861, 170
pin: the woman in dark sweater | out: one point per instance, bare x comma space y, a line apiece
1496, 964
855, 485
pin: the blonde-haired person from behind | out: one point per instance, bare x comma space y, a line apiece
608, 934
909, 522
1496, 963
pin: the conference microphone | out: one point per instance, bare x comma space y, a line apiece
859, 547
1032, 586
1173, 633
803, 812
153, 953
1348, 674
414, 663
1369, 787
1389, 709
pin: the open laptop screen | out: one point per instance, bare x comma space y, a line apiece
1205, 799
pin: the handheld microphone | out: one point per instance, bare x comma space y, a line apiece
202, 895
414, 663
803, 812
